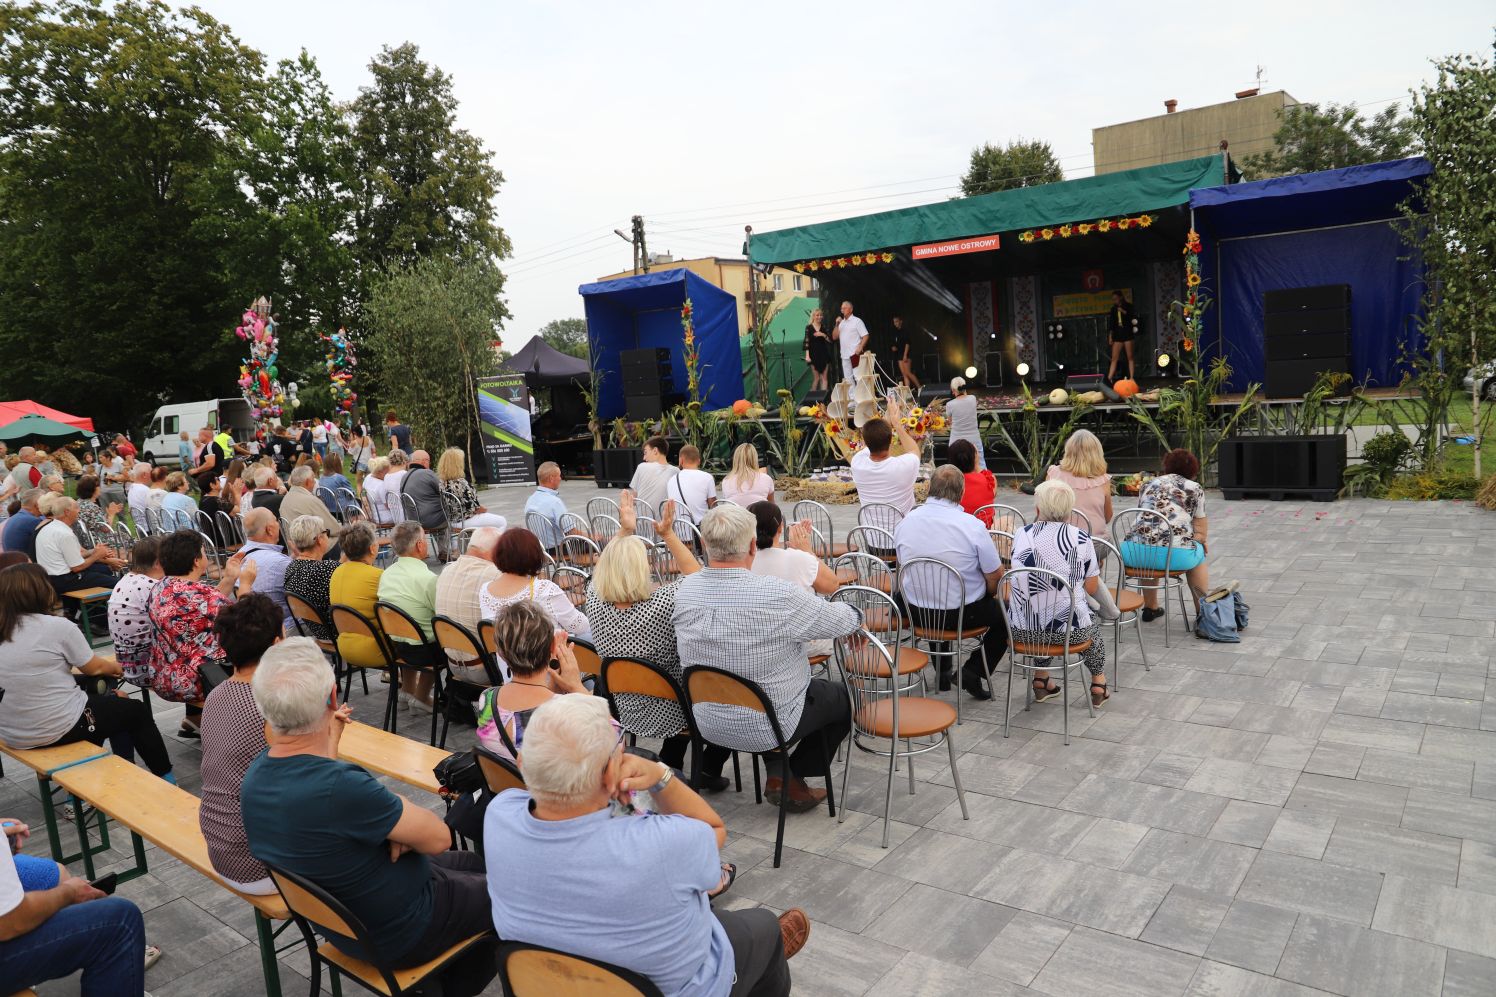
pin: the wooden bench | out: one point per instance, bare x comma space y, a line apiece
47, 761
87, 599
398, 757
167, 816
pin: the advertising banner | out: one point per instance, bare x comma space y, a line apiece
1085, 303
954, 247
504, 421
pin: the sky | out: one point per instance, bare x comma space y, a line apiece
705, 117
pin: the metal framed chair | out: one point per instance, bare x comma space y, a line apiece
638, 677
440, 536
579, 552
1165, 581
1129, 603
456, 639
413, 651
867, 570
884, 713
603, 528
348, 501
820, 521
1006, 518
1003, 541
691, 537
662, 566
312, 906
706, 684
329, 500
572, 581
1040, 657
589, 662
883, 618
231, 529
872, 540
644, 526
536, 971
348, 620
644, 509
601, 506
304, 616
545, 531
881, 515
1080, 520
935, 582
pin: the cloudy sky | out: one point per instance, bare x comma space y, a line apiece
704, 117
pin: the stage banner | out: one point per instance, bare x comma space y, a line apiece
954, 247
1085, 303
504, 421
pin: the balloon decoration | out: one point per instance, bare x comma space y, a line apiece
340, 364
258, 371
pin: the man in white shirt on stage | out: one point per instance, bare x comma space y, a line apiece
851, 334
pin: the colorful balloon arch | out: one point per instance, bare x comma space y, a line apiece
258, 373
340, 362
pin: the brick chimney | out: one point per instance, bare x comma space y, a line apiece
1170, 105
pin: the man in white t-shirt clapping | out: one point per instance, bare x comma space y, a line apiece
694, 490
880, 477
652, 478
851, 335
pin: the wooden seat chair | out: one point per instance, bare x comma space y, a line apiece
304, 616
638, 677
347, 620
937, 582
499, 773
403, 635
454, 638
535, 971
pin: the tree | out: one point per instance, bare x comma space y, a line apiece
1452, 225
569, 335
116, 195
1018, 164
1311, 137
435, 321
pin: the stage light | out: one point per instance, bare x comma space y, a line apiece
971, 372
1163, 361
1023, 370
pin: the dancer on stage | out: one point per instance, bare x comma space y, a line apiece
818, 352
851, 335
901, 347
1119, 335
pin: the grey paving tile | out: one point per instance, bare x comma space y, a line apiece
948, 861
1286, 751
1049, 787
1361, 702
1432, 709
1442, 915
1462, 745
1312, 887
1215, 979
1216, 712
1197, 739
1011, 822
1292, 720
1210, 867
1300, 833
1132, 967
843, 895
236, 974
918, 975
190, 938
1348, 798
1108, 843
1252, 936
1373, 732
1243, 781
1322, 698
1340, 760
1022, 948
1484, 783
1186, 921
1244, 823
1341, 957
1461, 686
837, 963
1396, 768
1085, 755
941, 925
1168, 769
1477, 866
1158, 806
1467, 975
1073, 891
1442, 813
1395, 850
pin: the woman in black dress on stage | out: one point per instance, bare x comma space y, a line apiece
1120, 333
818, 352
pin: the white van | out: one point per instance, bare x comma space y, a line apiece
160, 446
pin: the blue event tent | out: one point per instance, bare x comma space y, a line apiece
644, 311
1332, 227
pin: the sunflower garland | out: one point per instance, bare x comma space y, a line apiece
1072, 229
842, 262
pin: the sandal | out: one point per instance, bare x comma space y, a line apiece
1099, 701
729, 874
152, 955
1043, 694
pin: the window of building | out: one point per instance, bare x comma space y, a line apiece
778, 282
815, 285
798, 281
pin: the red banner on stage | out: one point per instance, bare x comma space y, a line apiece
955, 247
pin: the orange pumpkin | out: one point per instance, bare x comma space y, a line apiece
741, 406
1126, 387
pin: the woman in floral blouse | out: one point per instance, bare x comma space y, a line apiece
458, 497
182, 610
1178, 497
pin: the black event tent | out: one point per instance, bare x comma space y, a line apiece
545, 366
560, 433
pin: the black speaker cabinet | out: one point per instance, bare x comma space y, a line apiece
1294, 378
1306, 321
817, 397
614, 467
645, 357
1280, 467
1334, 346
1295, 298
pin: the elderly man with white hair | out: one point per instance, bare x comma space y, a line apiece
19, 532
301, 500
410, 587
61, 556
262, 531
384, 505
267, 493
942, 530
387, 859
138, 494
563, 851
457, 596
756, 627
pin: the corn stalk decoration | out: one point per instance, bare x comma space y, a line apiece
1026, 437
690, 354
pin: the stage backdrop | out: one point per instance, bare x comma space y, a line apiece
644, 311
1332, 227
504, 421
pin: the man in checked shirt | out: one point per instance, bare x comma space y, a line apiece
756, 626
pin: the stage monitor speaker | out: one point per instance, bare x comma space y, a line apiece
1293, 378
637, 408
933, 392
1297, 298
1334, 346
817, 397
1309, 321
1083, 382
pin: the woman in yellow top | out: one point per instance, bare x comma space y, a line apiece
356, 585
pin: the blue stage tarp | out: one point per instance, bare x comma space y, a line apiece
644, 311
1333, 227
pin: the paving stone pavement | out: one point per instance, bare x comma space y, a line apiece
1310, 811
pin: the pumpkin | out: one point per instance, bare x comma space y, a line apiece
741, 406
1058, 396
1126, 387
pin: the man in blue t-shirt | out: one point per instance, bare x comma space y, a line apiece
20, 530
385, 858
587, 876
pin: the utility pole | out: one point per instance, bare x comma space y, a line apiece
641, 252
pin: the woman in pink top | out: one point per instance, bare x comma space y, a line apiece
1083, 468
746, 483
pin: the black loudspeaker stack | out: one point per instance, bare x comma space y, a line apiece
817, 397
1306, 332
647, 383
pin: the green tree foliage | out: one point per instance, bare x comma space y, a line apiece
434, 322
116, 279
569, 335
1017, 164
1314, 137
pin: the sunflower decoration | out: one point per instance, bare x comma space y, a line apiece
1144, 221
812, 266
1066, 230
1085, 228
1104, 226
1123, 224
1187, 345
842, 262
1046, 234
1193, 280
887, 257
799, 268
1026, 237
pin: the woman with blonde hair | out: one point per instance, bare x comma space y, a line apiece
458, 496
1083, 468
747, 483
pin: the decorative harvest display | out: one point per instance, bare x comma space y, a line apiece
690, 354
1072, 229
1189, 309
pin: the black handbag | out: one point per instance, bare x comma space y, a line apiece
459, 773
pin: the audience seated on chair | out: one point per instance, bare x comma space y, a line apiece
1037, 610
387, 859
747, 483
756, 627
457, 596
60, 555
632, 617
942, 530
1083, 468
981, 486
233, 733
582, 876
268, 493
309, 575
528, 642
301, 500
465, 512
384, 505
1177, 496
270, 559
520, 561
796, 564
425, 490
547, 503
336, 482
355, 584
410, 586
693, 490
881, 477
129, 611
20, 529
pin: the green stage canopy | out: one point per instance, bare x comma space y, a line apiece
784, 350
1149, 188
33, 430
